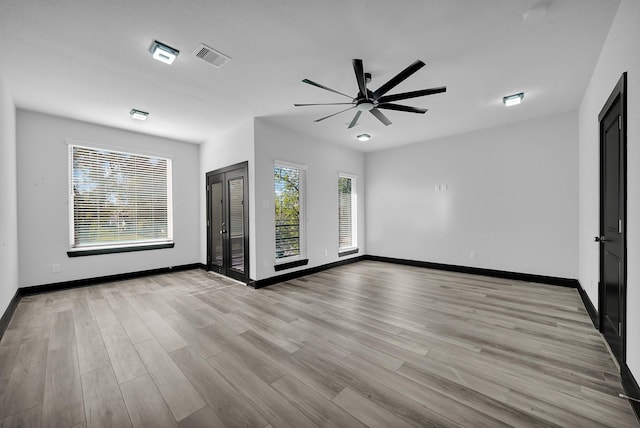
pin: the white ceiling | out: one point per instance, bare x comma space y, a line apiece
89, 60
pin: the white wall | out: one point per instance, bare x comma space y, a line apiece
324, 161
619, 54
229, 148
43, 215
511, 198
8, 200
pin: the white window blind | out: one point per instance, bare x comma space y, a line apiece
289, 184
346, 212
118, 199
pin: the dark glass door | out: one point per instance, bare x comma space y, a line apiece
227, 222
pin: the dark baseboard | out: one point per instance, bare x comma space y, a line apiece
631, 388
542, 279
291, 265
6, 317
260, 283
588, 304
45, 288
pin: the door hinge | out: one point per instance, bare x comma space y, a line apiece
619, 225
619, 329
620, 122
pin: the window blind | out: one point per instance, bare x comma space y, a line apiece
346, 213
118, 198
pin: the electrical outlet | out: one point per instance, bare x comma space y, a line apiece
326, 253
55, 268
474, 255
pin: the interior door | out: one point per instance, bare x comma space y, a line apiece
215, 223
612, 306
228, 221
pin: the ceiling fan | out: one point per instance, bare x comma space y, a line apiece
366, 100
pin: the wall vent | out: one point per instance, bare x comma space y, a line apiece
212, 56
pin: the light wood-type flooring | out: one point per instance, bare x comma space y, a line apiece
364, 344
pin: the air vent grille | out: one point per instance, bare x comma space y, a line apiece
212, 56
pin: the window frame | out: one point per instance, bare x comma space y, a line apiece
300, 259
353, 248
118, 246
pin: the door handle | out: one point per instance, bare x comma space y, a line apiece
599, 239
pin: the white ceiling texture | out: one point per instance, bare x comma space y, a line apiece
90, 60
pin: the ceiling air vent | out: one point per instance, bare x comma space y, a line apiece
212, 56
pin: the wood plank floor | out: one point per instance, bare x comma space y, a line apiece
365, 344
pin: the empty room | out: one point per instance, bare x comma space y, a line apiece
301, 213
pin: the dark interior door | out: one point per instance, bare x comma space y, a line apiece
228, 222
612, 225
215, 223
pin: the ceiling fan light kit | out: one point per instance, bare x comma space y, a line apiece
363, 137
373, 101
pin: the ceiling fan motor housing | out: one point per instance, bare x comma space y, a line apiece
365, 104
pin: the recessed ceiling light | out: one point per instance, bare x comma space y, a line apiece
512, 100
163, 53
139, 114
363, 137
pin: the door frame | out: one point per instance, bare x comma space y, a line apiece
242, 167
619, 93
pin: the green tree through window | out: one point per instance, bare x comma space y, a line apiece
287, 183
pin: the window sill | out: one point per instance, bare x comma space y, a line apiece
348, 252
123, 249
290, 265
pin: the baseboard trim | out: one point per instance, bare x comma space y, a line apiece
65, 285
260, 283
542, 279
8, 314
588, 305
631, 388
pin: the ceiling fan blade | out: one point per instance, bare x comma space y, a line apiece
355, 119
381, 117
413, 94
398, 78
359, 70
323, 104
399, 107
331, 115
324, 87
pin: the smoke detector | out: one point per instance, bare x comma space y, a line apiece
212, 56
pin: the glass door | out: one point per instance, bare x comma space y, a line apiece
228, 222
215, 221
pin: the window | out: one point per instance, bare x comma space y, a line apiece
118, 201
347, 213
289, 184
